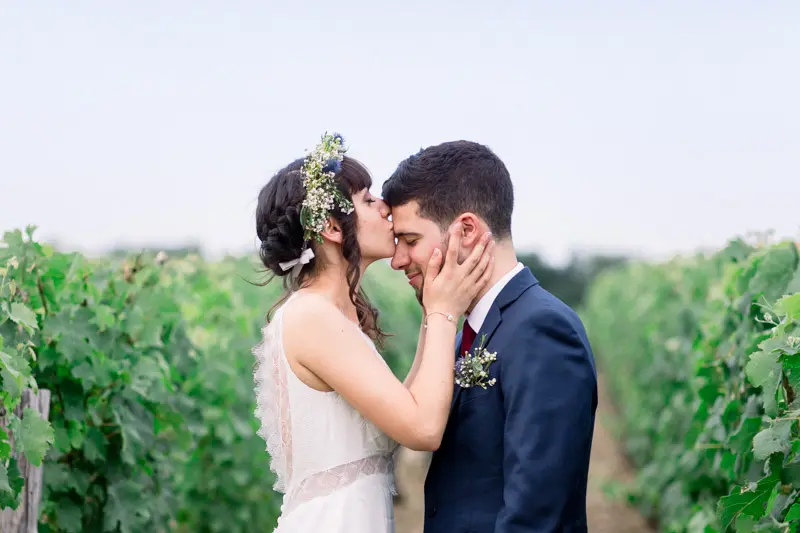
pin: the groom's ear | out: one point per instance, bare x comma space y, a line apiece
333, 231
472, 228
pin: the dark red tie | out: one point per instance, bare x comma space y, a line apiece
467, 336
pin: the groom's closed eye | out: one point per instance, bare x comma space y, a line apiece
408, 238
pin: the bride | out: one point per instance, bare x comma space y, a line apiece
331, 411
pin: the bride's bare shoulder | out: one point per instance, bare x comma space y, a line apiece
305, 309
313, 325
310, 316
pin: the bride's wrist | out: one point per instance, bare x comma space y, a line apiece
443, 315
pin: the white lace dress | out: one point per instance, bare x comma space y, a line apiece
334, 467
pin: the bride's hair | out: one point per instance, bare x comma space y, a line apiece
280, 231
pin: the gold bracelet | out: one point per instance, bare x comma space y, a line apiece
448, 316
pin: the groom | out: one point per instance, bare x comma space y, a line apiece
515, 456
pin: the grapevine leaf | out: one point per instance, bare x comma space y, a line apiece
741, 441
774, 272
10, 498
791, 474
125, 507
85, 374
762, 367
15, 372
5, 446
5, 488
69, 516
764, 370
749, 501
22, 315
794, 285
772, 440
94, 446
794, 513
104, 317
33, 435
789, 306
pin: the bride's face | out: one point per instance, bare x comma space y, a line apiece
375, 231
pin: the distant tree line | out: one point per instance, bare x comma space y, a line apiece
570, 282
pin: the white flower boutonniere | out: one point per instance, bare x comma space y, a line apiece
472, 369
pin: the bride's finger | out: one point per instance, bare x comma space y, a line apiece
484, 262
475, 255
453, 245
487, 274
434, 265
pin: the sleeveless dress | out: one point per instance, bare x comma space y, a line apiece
334, 467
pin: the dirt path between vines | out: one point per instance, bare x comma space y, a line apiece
607, 463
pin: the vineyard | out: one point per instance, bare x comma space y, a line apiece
701, 357
148, 361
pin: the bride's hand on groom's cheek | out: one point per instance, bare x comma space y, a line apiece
450, 287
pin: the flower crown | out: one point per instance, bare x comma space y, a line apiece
319, 168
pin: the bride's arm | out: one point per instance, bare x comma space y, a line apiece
326, 343
412, 373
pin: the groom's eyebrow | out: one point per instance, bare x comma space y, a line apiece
407, 234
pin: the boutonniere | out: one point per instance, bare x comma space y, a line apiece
472, 369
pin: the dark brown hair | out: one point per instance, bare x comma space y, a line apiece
454, 178
280, 231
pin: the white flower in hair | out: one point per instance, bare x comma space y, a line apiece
322, 195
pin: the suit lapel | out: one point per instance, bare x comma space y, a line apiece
513, 290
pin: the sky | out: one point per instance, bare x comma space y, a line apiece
649, 128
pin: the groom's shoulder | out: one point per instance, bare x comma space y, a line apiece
540, 314
538, 306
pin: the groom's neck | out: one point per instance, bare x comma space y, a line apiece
505, 259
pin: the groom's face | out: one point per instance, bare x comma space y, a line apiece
417, 237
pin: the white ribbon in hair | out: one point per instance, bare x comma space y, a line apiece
297, 264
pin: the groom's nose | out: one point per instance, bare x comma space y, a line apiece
400, 258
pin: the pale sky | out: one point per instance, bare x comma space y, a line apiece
647, 127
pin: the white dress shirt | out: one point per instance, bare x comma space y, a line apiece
481, 309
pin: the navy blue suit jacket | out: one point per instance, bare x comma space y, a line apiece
515, 457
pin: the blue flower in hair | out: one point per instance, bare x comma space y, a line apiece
332, 165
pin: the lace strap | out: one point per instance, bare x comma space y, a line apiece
272, 400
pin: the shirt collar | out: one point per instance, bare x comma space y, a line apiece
481, 309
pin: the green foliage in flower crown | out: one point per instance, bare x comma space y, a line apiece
701, 356
322, 195
149, 363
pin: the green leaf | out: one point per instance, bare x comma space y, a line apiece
789, 306
749, 501
775, 271
791, 474
85, 374
794, 513
125, 508
742, 440
33, 436
15, 372
772, 440
105, 317
4, 486
5, 447
94, 446
10, 499
762, 367
20, 314
69, 516
764, 370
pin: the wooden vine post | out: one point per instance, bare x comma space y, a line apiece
26, 517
